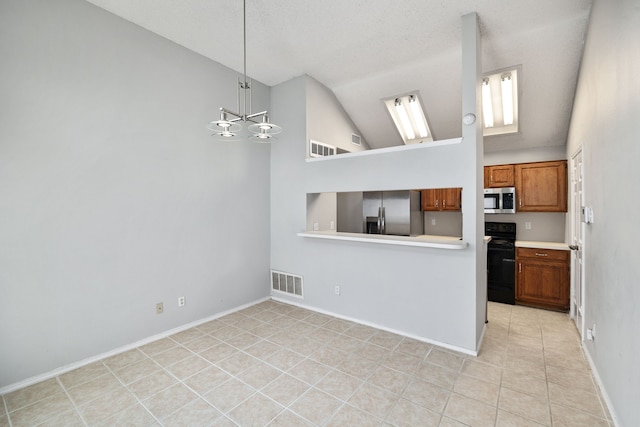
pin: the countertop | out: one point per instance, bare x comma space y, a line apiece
542, 245
429, 241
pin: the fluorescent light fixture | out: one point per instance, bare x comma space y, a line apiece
500, 101
404, 119
418, 116
409, 117
507, 98
487, 110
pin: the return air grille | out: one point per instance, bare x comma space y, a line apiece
289, 284
320, 149
355, 139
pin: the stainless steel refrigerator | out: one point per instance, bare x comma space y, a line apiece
392, 212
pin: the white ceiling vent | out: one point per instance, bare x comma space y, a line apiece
289, 284
355, 139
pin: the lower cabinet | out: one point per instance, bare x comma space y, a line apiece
542, 278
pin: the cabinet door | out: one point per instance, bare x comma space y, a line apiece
450, 199
543, 284
542, 187
501, 176
430, 200
487, 175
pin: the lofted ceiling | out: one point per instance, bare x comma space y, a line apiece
367, 50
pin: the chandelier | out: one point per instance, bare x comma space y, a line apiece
229, 124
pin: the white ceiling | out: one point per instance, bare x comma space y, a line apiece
366, 50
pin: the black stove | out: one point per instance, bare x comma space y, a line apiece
501, 261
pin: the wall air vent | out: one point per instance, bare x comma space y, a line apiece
355, 139
286, 283
320, 149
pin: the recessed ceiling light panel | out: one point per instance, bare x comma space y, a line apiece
500, 91
408, 114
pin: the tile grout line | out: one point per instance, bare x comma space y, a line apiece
6, 410
126, 387
75, 407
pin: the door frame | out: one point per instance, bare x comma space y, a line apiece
576, 222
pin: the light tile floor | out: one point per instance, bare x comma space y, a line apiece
279, 365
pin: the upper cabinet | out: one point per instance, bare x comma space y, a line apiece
499, 176
442, 199
541, 187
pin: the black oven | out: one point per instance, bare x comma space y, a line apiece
501, 261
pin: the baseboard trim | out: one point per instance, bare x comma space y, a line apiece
70, 367
377, 326
603, 391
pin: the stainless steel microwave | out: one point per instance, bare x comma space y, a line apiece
500, 200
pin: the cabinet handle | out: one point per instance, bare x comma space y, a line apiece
520, 203
519, 267
491, 179
444, 204
537, 254
436, 203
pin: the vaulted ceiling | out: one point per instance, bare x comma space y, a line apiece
367, 50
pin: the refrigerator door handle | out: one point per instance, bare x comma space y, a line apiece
382, 220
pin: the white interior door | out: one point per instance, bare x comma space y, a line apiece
577, 240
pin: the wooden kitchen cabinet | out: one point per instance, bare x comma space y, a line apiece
541, 186
542, 278
442, 199
499, 176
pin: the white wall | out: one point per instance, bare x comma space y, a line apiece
605, 123
113, 196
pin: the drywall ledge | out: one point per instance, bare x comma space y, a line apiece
439, 242
373, 152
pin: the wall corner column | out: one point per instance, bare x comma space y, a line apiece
473, 217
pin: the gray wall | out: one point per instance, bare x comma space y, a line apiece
336, 126
429, 293
113, 196
541, 154
446, 223
605, 123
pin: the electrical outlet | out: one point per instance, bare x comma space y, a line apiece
527, 225
181, 301
337, 290
159, 308
316, 226
332, 225
433, 221
591, 333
